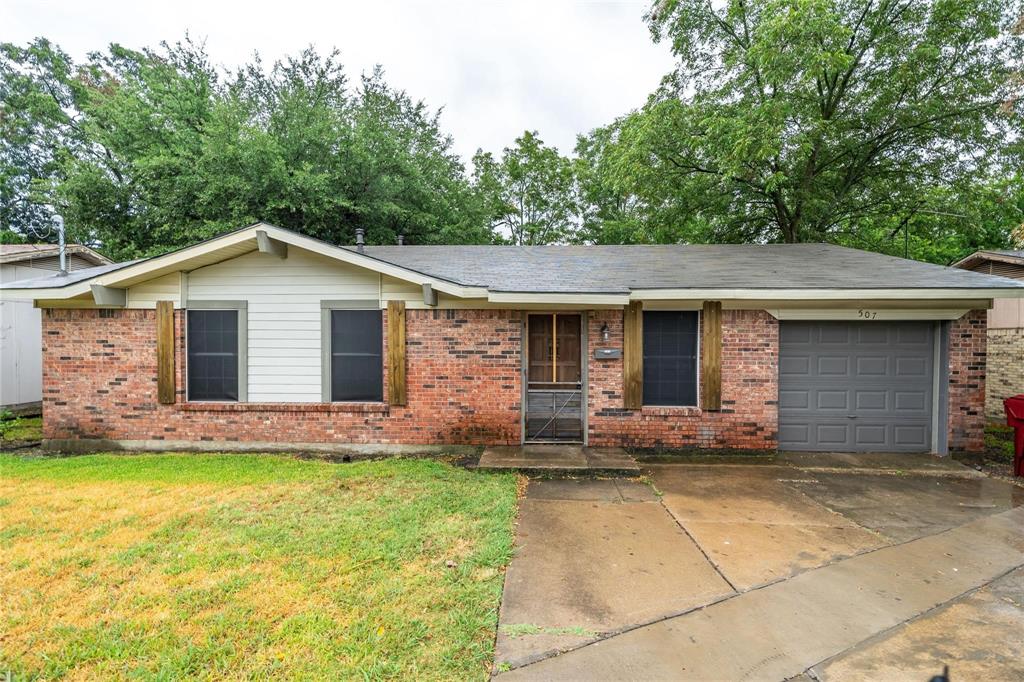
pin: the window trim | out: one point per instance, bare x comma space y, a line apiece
242, 308
697, 357
326, 306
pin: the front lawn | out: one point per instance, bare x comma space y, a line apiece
238, 566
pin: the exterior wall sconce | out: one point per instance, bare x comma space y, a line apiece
605, 334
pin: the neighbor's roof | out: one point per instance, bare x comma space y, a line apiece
621, 269
583, 274
15, 253
57, 281
1012, 256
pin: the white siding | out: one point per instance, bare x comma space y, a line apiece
164, 288
284, 314
21, 354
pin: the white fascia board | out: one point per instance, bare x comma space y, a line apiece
181, 258
822, 294
867, 314
580, 299
370, 263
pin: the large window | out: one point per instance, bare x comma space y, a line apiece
354, 369
216, 351
670, 358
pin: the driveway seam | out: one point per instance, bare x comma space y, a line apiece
882, 634
757, 588
707, 557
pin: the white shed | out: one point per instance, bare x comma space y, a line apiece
20, 333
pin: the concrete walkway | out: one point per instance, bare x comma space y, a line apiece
559, 458
786, 628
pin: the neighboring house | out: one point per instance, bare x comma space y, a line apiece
20, 353
1005, 329
266, 339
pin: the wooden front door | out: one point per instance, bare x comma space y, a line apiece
554, 373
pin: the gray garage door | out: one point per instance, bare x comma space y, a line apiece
856, 386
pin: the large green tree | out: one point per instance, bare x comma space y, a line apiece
145, 151
529, 193
807, 120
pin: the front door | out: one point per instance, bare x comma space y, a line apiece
554, 378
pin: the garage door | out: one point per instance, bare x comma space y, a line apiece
856, 386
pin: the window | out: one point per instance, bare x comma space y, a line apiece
216, 341
354, 365
670, 358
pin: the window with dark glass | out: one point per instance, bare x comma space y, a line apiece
357, 363
670, 357
212, 355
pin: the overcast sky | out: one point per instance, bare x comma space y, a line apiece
497, 68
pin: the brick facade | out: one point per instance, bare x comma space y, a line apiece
99, 379
749, 415
967, 343
464, 387
1005, 373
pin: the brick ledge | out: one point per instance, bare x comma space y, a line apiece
669, 411
366, 408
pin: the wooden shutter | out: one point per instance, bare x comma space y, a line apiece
711, 356
165, 352
633, 357
396, 353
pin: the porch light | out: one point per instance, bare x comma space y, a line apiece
605, 334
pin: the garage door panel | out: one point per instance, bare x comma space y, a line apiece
913, 367
833, 335
832, 400
833, 366
872, 434
798, 434
911, 401
832, 435
872, 366
856, 386
871, 399
796, 365
796, 400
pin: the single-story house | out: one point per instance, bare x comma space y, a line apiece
21, 388
1005, 328
268, 339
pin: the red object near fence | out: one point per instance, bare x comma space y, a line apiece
1014, 408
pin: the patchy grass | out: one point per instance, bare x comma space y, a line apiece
997, 457
999, 442
233, 566
21, 429
525, 629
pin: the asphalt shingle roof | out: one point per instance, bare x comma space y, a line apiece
619, 269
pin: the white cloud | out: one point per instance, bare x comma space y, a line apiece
497, 68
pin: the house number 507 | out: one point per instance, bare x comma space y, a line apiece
867, 314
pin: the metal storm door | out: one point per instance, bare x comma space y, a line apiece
554, 374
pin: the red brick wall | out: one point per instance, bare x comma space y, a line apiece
967, 360
99, 381
749, 415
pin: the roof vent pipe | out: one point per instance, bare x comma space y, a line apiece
61, 246
360, 232
401, 239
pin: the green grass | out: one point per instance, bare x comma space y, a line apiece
241, 566
23, 428
999, 442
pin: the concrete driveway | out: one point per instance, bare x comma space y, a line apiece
851, 567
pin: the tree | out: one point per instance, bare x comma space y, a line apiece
812, 120
529, 194
146, 151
